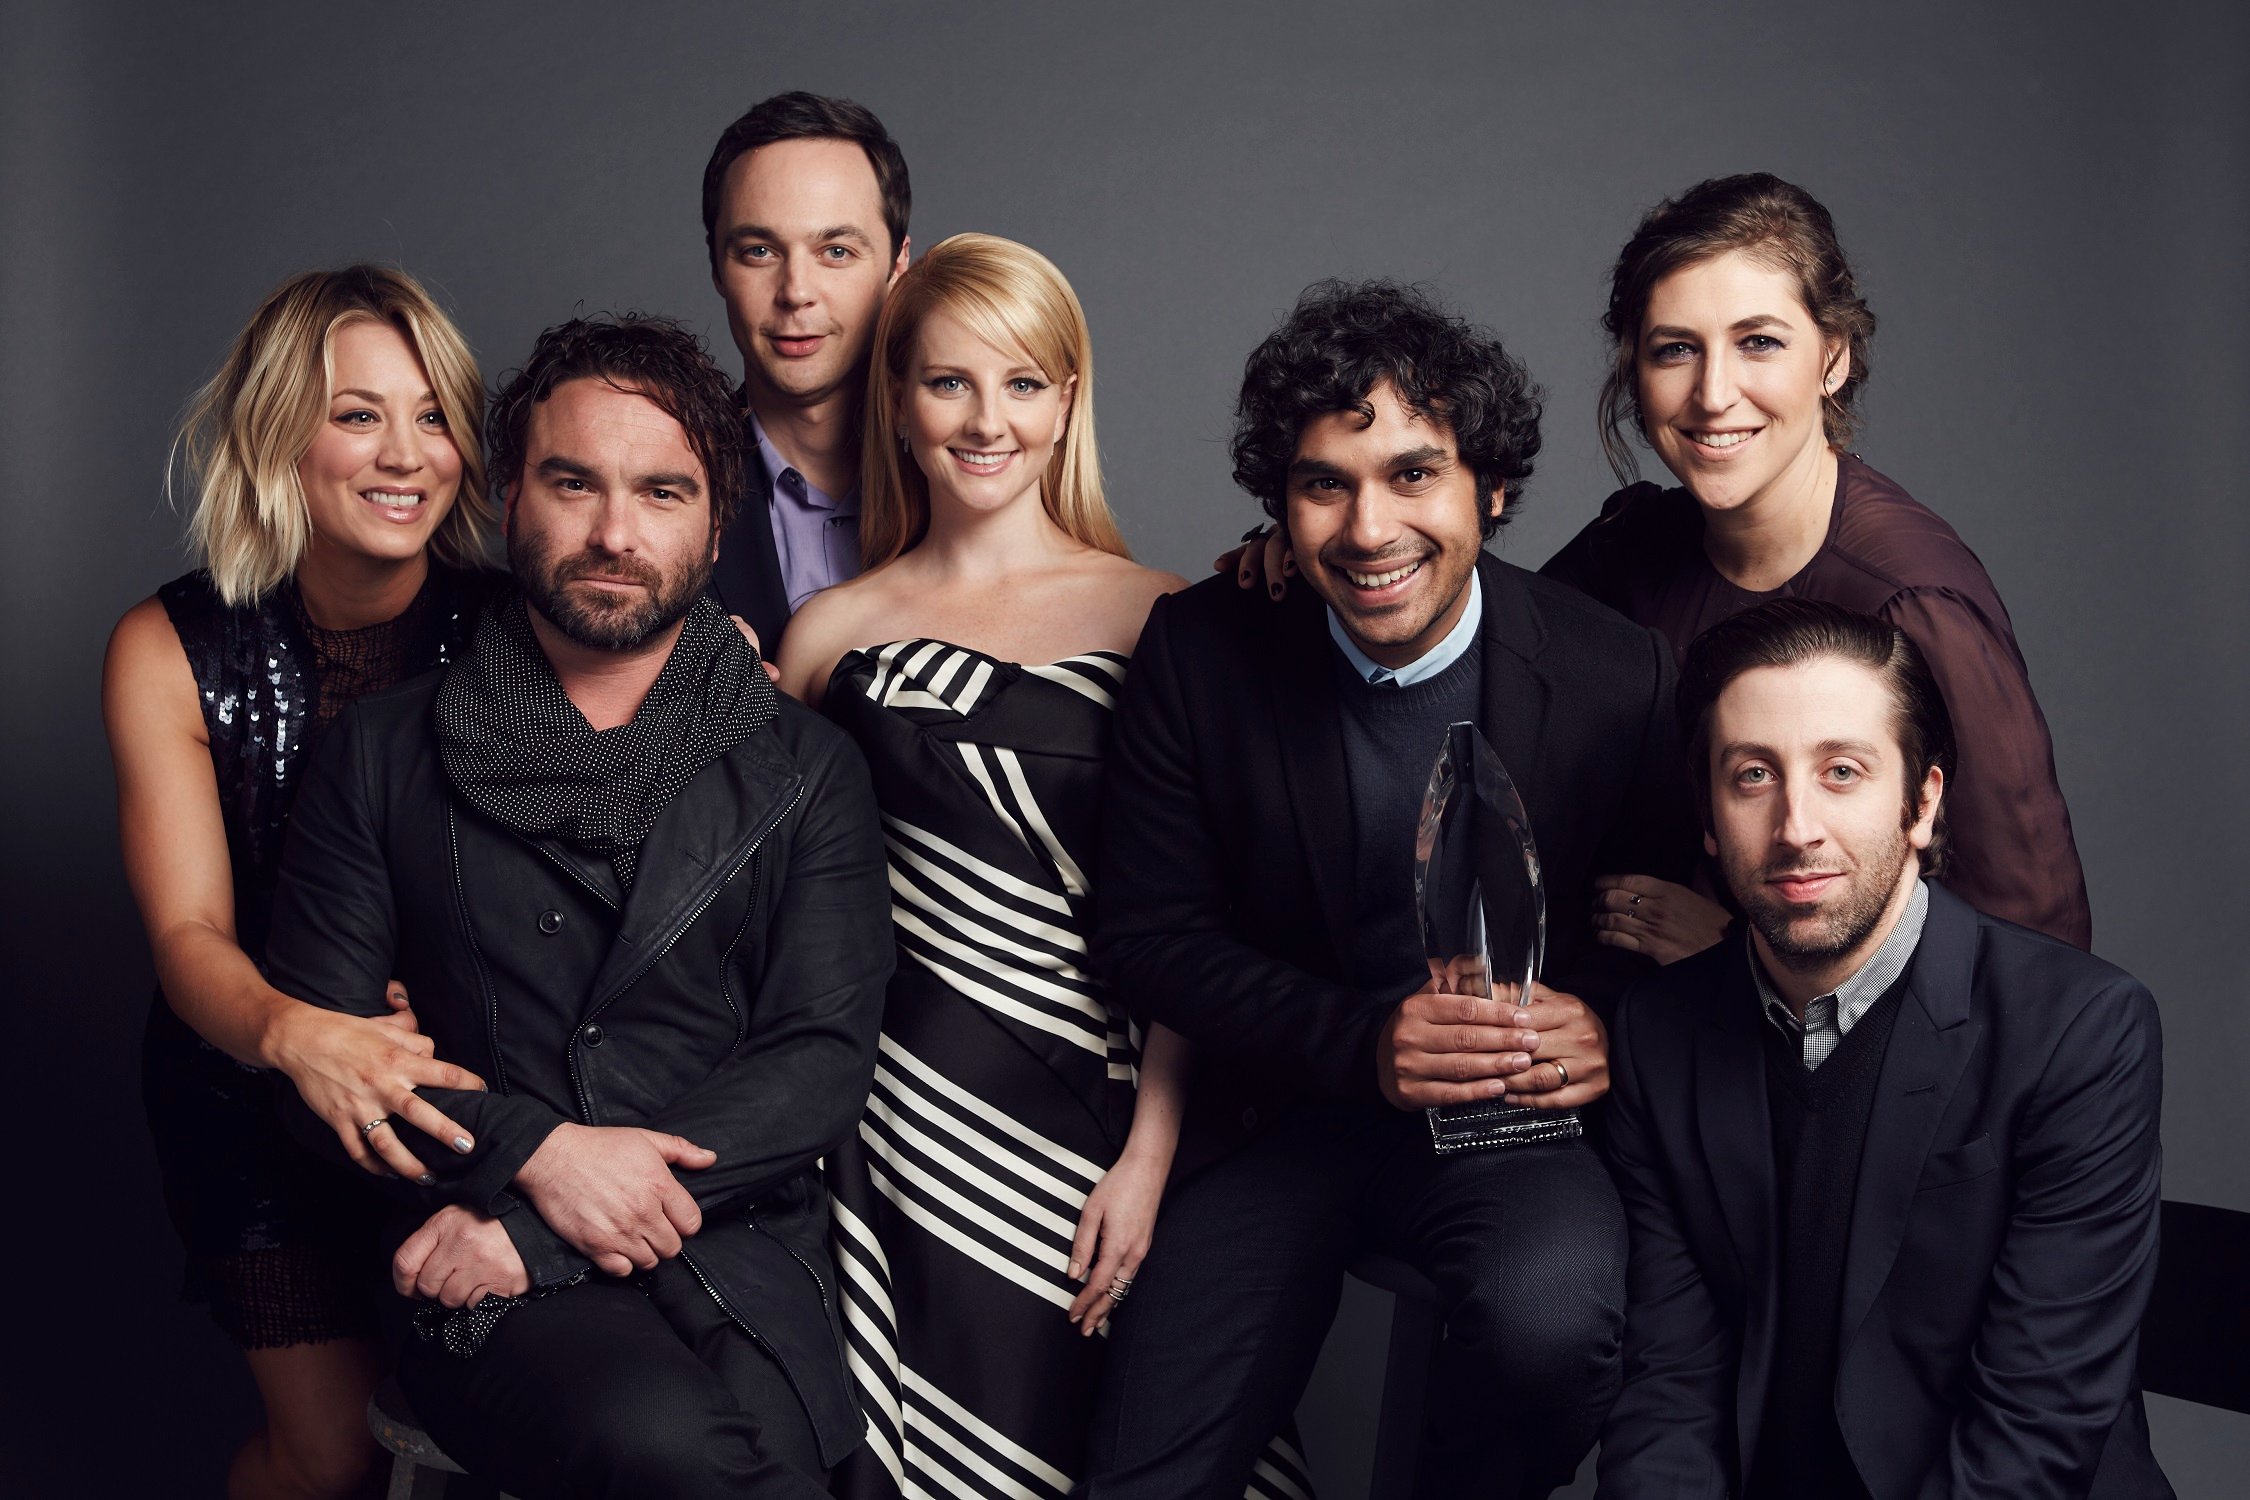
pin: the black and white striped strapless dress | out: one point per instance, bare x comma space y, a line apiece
1004, 1087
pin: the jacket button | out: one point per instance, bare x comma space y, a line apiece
592, 1036
1249, 1119
550, 922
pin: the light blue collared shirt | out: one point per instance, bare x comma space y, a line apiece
815, 535
1431, 662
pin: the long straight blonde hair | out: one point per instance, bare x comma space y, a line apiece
246, 430
1007, 294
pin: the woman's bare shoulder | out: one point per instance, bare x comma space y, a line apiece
146, 680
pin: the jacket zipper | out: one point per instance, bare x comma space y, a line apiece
797, 1258
726, 986
561, 864
476, 952
756, 840
744, 1324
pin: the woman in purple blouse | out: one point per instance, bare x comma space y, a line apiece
1741, 343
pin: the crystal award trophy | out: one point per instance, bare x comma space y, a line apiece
1484, 920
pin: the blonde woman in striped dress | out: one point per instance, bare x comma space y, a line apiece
1004, 1185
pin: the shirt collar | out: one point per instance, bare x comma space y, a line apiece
786, 475
1856, 996
1431, 662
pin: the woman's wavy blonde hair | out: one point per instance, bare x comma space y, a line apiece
1008, 294
246, 430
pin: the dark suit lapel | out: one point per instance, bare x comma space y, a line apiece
1736, 1131
1929, 1047
1513, 717
748, 575
1309, 741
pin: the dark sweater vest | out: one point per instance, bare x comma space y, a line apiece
1391, 738
1819, 1121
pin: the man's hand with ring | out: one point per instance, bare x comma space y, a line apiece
1569, 1052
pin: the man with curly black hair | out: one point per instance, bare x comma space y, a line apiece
1257, 896
642, 895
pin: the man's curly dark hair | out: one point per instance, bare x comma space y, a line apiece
656, 357
1345, 337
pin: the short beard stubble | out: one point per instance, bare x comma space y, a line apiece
598, 622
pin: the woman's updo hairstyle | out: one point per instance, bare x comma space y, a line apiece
1778, 223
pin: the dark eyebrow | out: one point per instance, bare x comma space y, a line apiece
1314, 468
742, 232
686, 484
555, 466
1745, 325
1423, 457
1864, 749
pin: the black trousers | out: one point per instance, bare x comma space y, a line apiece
612, 1391
1213, 1349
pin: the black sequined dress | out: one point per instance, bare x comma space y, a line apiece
280, 1245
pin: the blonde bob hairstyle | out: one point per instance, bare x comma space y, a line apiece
245, 432
1010, 296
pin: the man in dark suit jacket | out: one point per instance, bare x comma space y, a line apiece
1890, 1165
805, 204
1256, 897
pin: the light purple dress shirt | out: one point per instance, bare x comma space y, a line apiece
815, 535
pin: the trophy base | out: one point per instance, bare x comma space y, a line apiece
1495, 1127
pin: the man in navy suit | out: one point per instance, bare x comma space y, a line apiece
1890, 1166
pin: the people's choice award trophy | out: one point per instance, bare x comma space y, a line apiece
1484, 919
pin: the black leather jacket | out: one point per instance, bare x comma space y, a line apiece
733, 997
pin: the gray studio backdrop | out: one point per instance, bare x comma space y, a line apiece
2049, 206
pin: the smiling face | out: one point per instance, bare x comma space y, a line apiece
1385, 522
803, 261
1731, 372
609, 525
1811, 817
981, 422
382, 471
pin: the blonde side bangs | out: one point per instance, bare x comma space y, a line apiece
1009, 295
246, 430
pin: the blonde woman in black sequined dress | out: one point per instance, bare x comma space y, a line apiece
339, 519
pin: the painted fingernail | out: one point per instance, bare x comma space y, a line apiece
461, 1144
427, 1180
1274, 589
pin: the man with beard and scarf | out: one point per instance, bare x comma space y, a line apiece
1890, 1165
645, 895
1257, 896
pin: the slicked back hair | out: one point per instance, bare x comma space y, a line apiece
649, 356
1791, 632
1344, 338
800, 116
1778, 223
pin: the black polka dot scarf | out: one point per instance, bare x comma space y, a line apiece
519, 751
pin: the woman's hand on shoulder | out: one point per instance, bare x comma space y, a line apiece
1261, 561
355, 1070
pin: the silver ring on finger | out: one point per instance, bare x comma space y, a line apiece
369, 1128
1561, 1073
1636, 898
1119, 1288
